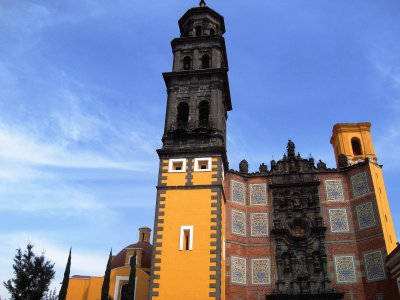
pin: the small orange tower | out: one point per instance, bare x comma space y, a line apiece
354, 141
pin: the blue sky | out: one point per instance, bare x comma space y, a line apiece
82, 105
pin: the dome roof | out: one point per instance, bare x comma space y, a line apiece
119, 259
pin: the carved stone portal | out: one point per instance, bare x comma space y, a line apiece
299, 231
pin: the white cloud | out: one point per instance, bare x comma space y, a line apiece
27, 149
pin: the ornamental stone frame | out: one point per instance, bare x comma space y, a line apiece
238, 270
374, 265
258, 194
259, 224
238, 222
238, 192
345, 269
334, 190
365, 215
338, 220
359, 184
261, 271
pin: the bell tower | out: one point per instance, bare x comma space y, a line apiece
353, 141
188, 262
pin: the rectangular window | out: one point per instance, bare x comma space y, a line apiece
130, 257
186, 238
202, 164
177, 165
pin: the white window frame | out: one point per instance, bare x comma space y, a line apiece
196, 164
182, 237
118, 280
175, 160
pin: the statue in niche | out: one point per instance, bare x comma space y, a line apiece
244, 166
317, 263
301, 267
286, 264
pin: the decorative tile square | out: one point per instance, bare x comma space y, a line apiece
338, 220
238, 270
334, 190
345, 270
258, 194
359, 182
238, 192
259, 224
261, 271
374, 265
238, 222
365, 215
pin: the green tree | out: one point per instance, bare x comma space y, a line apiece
64, 287
132, 276
32, 275
52, 295
106, 282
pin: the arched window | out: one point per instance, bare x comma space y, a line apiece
187, 63
124, 291
212, 31
204, 112
356, 146
199, 30
183, 114
205, 62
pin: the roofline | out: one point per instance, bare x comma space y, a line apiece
195, 10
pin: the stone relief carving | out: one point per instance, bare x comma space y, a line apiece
298, 229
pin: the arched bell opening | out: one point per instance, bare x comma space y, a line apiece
204, 113
356, 146
183, 115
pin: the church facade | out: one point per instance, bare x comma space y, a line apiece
293, 230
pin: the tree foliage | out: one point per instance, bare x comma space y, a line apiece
106, 282
52, 295
64, 287
132, 277
32, 275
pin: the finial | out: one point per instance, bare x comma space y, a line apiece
202, 3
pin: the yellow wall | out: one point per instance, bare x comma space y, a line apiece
90, 288
383, 207
84, 289
186, 274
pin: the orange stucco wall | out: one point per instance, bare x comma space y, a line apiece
383, 207
187, 274
90, 288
